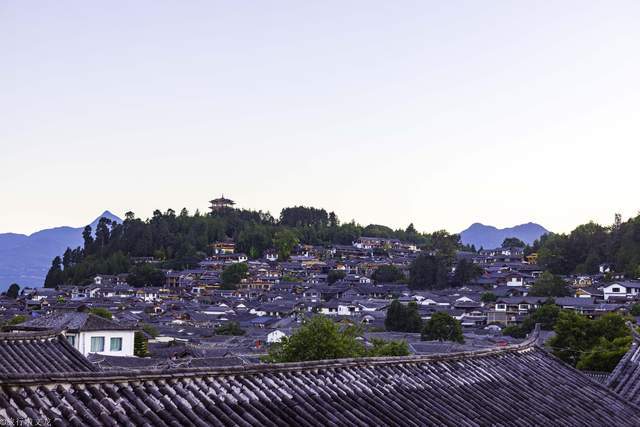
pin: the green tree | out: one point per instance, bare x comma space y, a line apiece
577, 336
319, 338
395, 317
605, 355
382, 348
140, 345
17, 319
387, 274
333, 220
515, 331
513, 242
335, 275
429, 272
54, 275
301, 216
145, 275
102, 312
233, 275
230, 328
87, 236
442, 327
466, 272
412, 321
254, 240
13, 291
635, 310
488, 297
443, 244
546, 316
403, 318
284, 241
549, 285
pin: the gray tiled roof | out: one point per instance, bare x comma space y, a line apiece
70, 321
515, 385
39, 353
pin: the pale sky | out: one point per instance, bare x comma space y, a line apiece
437, 113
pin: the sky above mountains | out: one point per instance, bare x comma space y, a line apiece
438, 113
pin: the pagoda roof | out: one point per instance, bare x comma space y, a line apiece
222, 201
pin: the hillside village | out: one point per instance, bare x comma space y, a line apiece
207, 344
191, 313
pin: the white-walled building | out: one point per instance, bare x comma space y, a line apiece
86, 332
621, 290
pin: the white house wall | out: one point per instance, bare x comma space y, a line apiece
83, 342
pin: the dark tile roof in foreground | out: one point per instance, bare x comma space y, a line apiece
515, 385
625, 378
39, 353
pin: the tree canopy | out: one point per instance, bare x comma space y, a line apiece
230, 328
429, 272
546, 315
442, 327
320, 338
549, 285
403, 318
387, 274
589, 245
465, 272
13, 291
334, 275
590, 344
488, 297
233, 274
513, 242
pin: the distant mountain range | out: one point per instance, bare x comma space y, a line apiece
490, 237
25, 260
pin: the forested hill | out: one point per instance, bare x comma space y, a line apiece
589, 245
181, 240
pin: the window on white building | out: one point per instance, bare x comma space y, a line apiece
615, 290
72, 340
97, 344
116, 344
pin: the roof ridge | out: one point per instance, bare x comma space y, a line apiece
25, 335
147, 374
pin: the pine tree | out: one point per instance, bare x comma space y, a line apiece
13, 291
54, 276
140, 347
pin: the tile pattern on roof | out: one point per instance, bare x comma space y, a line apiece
625, 378
33, 353
517, 385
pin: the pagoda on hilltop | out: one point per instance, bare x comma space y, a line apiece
220, 204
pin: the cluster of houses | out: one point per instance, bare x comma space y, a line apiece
188, 312
63, 360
